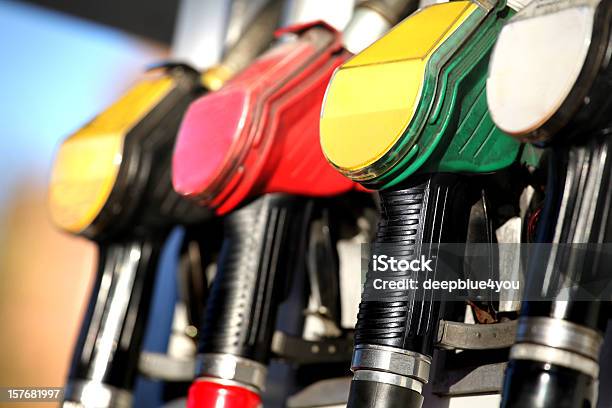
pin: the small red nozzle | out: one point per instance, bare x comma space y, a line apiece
260, 133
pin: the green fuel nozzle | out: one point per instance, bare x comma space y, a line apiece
408, 116
414, 101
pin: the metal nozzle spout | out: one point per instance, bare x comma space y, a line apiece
390, 10
255, 39
372, 19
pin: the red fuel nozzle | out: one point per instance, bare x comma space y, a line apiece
260, 133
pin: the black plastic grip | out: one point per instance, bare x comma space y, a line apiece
112, 332
264, 246
433, 210
371, 394
577, 210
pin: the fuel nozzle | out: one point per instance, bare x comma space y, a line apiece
389, 90
103, 167
244, 140
555, 93
229, 139
111, 183
408, 116
250, 152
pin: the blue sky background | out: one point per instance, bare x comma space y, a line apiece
56, 72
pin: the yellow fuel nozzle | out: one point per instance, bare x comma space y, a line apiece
372, 98
88, 162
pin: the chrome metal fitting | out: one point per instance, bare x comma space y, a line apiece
558, 342
390, 365
560, 334
365, 27
559, 357
92, 394
233, 368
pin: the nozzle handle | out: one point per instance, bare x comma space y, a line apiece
568, 333
109, 343
434, 209
396, 329
576, 212
264, 244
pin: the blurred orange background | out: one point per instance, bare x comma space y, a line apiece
57, 72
